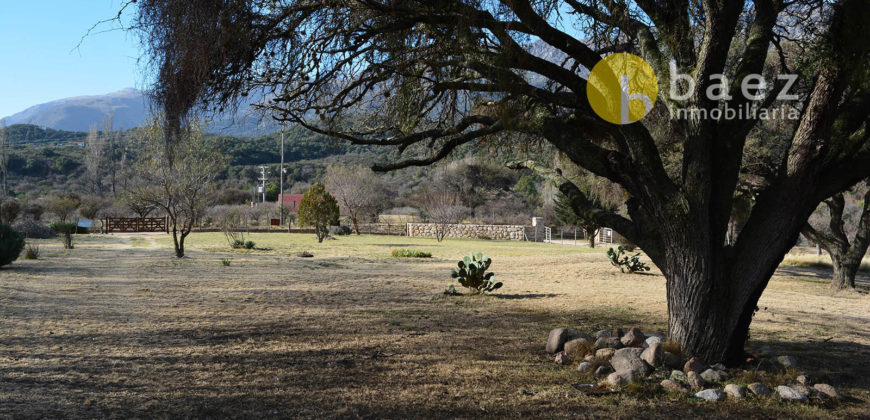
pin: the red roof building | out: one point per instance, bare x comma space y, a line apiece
291, 202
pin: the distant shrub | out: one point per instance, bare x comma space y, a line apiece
237, 244
340, 230
31, 252
32, 229
226, 262
626, 264
10, 208
410, 253
11, 244
471, 273
249, 245
66, 229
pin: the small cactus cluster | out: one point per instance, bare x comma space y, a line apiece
625, 263
471, 273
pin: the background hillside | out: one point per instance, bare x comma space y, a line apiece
129, 109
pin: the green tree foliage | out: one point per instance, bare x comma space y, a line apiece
272, 191
63, 206
527, 186
11, 244
35, 135
178, 178
569, 215
318, 209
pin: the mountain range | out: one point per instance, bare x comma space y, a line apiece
128, 108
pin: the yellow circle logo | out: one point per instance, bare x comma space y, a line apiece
622, 88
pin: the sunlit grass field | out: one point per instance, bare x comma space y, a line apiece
118, 327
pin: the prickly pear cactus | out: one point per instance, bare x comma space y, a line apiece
626, 264
471, 273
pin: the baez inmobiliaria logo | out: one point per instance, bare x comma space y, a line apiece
622, 89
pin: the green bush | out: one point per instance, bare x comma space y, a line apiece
66, 229
237, 244
226, 262
410, 253
11, 244
626, 264
471, 273
31, 252
249, 245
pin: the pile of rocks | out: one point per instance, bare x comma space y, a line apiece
624, 357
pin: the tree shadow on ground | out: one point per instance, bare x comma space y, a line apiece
526, 296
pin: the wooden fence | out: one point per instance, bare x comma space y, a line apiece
136, 224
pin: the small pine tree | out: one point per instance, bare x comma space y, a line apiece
318, 208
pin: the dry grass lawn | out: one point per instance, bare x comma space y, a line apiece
119, 328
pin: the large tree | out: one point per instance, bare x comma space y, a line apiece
359, 191
431, 76
178, 178
846, 254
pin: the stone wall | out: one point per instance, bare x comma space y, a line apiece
505, 232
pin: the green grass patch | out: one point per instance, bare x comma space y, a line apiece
410, 253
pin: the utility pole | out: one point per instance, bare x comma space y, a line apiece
281, 182
262, 179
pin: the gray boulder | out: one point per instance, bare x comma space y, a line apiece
605, 353
603, 370
653, 354
562, 358
711, 395
620, 377
711, 375
602, 334
654, 338
559, 336
633, 338
584, 367
695, 380
607, 342
679, 376
673, 386
628, 359
759, 389
790, 394
735, 391
827, 390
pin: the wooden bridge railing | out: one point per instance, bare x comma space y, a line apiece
136, 224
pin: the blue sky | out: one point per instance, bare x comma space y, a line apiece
39, 61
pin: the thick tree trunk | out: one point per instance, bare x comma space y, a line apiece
354, 220
845, 270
